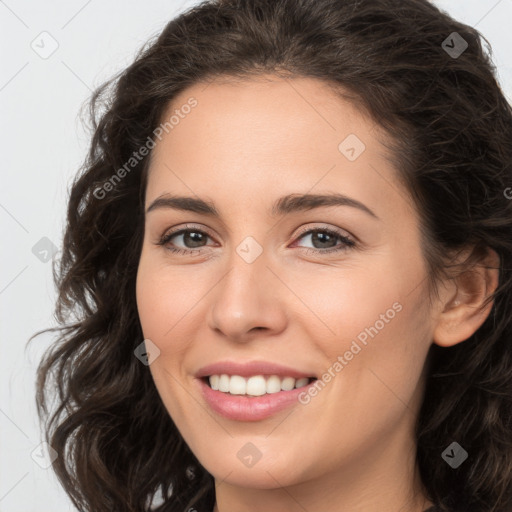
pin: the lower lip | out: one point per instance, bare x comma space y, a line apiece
254, 408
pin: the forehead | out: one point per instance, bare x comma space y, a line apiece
247, 139
267, 115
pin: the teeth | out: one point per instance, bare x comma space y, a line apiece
287, 383
301, 382
256, 385
224, 383
273, 384
214, 382
237, 385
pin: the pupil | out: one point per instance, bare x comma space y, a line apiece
196, 236
319, 235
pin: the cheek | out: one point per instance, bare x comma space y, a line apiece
379, 324
356, 303
385, 304
162, 307
152, 301
387, 353
166, 302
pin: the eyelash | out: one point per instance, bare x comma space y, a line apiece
347, 243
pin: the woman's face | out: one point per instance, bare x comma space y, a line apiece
255, 283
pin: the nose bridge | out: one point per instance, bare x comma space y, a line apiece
247, 295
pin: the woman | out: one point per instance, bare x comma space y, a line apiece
214, 353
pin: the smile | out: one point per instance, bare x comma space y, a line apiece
256, 385
246, 407
251, 390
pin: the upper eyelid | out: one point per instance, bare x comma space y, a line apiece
339, 231
180, 230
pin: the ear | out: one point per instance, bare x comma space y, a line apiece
464, 311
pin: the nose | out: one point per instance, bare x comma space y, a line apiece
249, 301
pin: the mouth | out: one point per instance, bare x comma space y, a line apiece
252, 390
246, 399
255, 385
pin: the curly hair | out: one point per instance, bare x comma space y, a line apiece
451, 128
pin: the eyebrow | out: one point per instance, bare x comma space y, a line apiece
284, 205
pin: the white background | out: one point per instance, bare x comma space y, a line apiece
43, 144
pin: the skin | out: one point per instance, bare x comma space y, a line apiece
352, 447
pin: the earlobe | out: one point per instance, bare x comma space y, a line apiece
465, 312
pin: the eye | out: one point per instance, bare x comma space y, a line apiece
189, 236
195, 240
326, 240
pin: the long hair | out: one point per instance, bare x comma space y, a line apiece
451, 132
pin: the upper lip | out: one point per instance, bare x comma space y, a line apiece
250, 368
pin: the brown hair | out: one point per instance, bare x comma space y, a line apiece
451, 127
